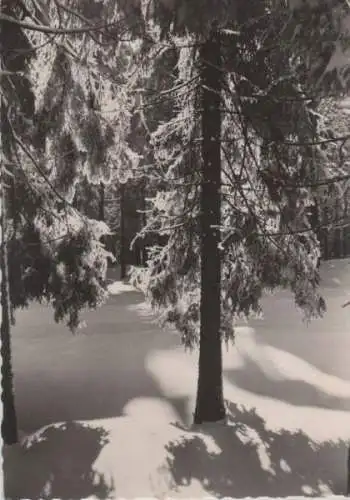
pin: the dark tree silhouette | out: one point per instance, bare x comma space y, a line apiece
210, 403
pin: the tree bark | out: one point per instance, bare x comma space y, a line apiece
9, 430
101, 204
122, 253
348, 473
325, 235
210, 403
143, 222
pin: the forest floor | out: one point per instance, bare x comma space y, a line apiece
107, 413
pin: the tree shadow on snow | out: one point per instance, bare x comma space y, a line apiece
296, 392
250, 460
58, 463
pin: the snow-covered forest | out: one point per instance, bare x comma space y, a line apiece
175, 247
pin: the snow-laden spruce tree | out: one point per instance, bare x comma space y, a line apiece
65, 117
238, 160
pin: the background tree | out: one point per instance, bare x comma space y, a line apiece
333, 196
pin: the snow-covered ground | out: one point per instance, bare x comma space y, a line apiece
107, 412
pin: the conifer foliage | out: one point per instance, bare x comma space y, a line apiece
57, 88
267, 92
232, 141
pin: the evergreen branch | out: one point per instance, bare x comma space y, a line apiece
4, 170
36, 192
46, 20
37, 167
315, 143
52, 30
38, 9
253, 215
265, 93
290, 231
59, 14
87, 23
41, 242
4, 72
248, 144
325, 182
312, 229
165, 100
320, 142
165, 229
173, 89
51, 39
232, 176
335, 224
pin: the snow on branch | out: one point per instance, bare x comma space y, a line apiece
52, 29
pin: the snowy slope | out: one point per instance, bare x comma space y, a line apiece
125, 392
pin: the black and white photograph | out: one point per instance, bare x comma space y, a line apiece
175, 249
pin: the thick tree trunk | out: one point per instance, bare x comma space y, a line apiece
9, 431
210, 403
122, 253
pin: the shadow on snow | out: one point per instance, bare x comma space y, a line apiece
251, 460
294, 392
92, 375
59, 465
241, 459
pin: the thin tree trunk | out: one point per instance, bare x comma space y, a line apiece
143, 222
336, 233
122, 254
210, 403
325, 232
101, 204
346, 228
75, 203
348, 473
9, 431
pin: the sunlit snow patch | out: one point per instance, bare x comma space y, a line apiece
247, 435
150, 411
119, 287
291, 367
284, 466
